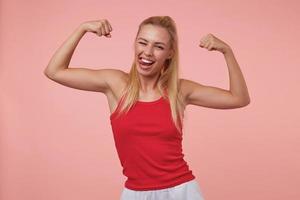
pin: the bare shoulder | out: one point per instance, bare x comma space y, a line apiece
116, 80
184, 88
116, 75
186, 84
187, 87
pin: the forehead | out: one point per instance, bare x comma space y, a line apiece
153, 33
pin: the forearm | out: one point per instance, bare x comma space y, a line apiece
61, 59
238, 87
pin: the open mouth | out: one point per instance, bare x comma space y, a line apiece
145, 63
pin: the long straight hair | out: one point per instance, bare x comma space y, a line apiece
168, 81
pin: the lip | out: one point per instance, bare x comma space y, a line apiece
144, 67
146, 58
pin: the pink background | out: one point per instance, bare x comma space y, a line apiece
56, 142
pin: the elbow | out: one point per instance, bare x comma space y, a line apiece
45, 73
248, 100
241, 101
244, 102
51, 71
48, 74
247, 103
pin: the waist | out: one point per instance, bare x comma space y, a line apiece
161, 181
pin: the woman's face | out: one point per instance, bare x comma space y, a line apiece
152, 48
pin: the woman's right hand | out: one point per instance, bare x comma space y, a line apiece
99, 27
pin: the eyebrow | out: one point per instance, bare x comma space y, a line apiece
155, 42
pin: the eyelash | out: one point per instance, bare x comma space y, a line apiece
157, 46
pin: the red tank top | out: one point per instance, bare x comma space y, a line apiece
149, 146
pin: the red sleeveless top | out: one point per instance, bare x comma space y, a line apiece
149, 146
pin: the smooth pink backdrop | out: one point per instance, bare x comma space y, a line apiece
56, 142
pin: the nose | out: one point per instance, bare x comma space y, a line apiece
148, 50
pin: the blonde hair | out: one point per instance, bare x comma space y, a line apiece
168, 81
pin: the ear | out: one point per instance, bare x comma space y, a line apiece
171, 54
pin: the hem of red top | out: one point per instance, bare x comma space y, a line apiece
162, 187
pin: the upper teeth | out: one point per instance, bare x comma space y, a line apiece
146, 61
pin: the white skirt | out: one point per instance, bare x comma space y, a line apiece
189, 190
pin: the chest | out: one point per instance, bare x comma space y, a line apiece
153, 121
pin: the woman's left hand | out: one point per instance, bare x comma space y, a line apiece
212, 43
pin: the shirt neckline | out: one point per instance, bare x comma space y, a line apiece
149, 102
137, 102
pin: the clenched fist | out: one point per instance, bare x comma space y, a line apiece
211, 43
100, 27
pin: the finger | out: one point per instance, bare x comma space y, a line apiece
102, 29
110, 28
201, 44
106, 28
210, 47
108, 35
206, 39
99, 32
206, 44
202, 40
107, 31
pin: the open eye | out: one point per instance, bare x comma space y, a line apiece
160, 47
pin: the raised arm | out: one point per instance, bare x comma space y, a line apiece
214, 97
98, 80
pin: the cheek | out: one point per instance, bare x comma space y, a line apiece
161, 57
138, 49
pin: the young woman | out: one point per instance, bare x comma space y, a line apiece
147, 105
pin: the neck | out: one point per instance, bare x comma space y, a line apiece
149, 84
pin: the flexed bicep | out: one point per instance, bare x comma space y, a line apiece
208, 96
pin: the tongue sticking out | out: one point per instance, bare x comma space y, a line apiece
146, 63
